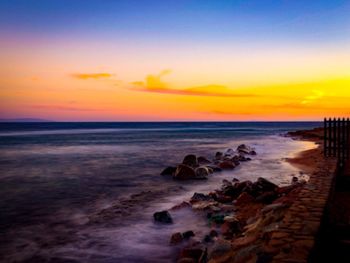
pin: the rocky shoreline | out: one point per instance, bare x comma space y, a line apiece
243, 217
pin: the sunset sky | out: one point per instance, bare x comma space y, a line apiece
71, 60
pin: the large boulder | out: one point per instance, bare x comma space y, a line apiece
266, 185
202, 172
168, 171
190, 160
184, 172
163, 217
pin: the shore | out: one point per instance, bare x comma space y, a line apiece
260, 221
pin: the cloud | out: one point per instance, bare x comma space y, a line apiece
92, 75
154, 83
316, 94
62, 108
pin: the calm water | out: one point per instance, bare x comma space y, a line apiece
85, 192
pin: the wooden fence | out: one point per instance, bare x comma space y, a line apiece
336, 138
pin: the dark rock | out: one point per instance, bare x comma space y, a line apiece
184, 172
200, 197
242, 158
220, 248
168, 171
229, 151
267, 197
163, 217
176, 238
215, 168
243, 186
266, 185
207, 239
294, 179
213, 233
203, 160
235, 180
227, 165
202, 172
188, 234
219, 155
244, 198
190, 160
180, 206
217, 219
195, 252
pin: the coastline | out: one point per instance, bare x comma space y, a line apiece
256, 231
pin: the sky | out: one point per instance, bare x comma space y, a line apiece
243, 60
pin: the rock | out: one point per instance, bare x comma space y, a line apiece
188, 234
202, 172
180, 206
273, 207
168, 171
219, 155
207, 239
220, 248
244, 198
217, 219
235, 180
176, 238
203, 205
294, 180
203, 160
213, 233
184, 172
242, 158
245, 149
186, 260
228, 165
190, 160
215, 168
163, 217
223, 198
243, 186
200, 197
229, 151
267, 197
196, 252
265, 185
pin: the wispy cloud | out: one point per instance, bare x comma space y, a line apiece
154, 83
62, 108
92, 75
316, 94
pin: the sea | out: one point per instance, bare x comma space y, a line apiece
86, 191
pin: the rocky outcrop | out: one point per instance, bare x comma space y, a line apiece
190, 160
184, 172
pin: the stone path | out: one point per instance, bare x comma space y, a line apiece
295, 240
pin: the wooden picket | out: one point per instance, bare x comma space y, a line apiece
336, 138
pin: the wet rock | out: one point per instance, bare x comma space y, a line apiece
188, 234
227, 165
242, 158
219, 156
217, 219
186, 260
203, 205
244, 198
207, 239
294, 180
221, 198
235, 180
200, 197
168, 171
176, 238
163, 217
184, 172
229, 151
190, 160
202, 172
245, 149
202, 160
215, 168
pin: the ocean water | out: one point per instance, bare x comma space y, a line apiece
86, 192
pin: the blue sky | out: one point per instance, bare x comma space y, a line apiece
316, 21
